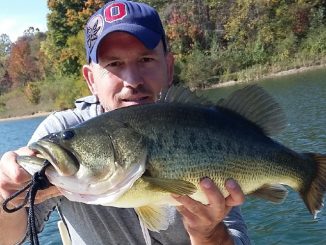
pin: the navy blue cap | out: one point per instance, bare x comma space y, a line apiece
138, 19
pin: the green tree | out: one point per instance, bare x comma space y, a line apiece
159, 5
5, 81
32, 92
66, 19
5, 45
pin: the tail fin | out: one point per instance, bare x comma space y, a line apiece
313, 195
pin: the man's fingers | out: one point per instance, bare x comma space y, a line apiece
188, 217
236, 196
201, 221
43, 195
214, 195
189, 203
25, 151
14, 178
192, 211
7, 186
13, 171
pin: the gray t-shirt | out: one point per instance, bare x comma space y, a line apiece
96, 224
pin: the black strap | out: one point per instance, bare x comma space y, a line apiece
39, 182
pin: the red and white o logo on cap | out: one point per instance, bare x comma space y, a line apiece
114, 12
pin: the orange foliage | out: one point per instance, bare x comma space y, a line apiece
22, 65
181, 28
301, 21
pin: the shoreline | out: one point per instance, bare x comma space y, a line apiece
38, 114
272, 75
218, 85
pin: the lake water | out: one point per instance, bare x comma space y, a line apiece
303, 97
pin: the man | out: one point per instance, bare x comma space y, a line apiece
128, 65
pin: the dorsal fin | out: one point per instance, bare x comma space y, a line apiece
256, 105
180, 94
251, 102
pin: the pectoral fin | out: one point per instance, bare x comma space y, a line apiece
275, 193
155, 218
175, 186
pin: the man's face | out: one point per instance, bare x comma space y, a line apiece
128, 73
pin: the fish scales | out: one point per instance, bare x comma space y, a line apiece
194, 159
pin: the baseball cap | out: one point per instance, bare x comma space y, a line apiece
138, 19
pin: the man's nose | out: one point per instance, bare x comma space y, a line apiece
132, 76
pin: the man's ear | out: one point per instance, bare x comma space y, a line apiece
88, 75
170, 67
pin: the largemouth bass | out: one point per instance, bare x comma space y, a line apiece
135, 157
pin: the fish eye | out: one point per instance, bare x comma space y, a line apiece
67, 135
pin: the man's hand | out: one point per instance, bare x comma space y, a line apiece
13, 178
204, 222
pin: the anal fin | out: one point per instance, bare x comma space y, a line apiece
155, 218
272, 192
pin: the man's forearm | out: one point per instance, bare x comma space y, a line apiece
12, 226
220, 236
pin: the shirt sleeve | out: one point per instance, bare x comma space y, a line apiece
237, 227
56, 122
86, 108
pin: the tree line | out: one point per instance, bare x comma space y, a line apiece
213, 41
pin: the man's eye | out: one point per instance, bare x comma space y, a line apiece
147, 59
114, 64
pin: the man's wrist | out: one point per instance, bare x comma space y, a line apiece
14, 225
220, 235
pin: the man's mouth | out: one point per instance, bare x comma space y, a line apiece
137, 100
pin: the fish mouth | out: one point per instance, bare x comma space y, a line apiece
63, 160
73, 179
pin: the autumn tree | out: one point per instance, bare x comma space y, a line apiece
24, 63
187, 24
